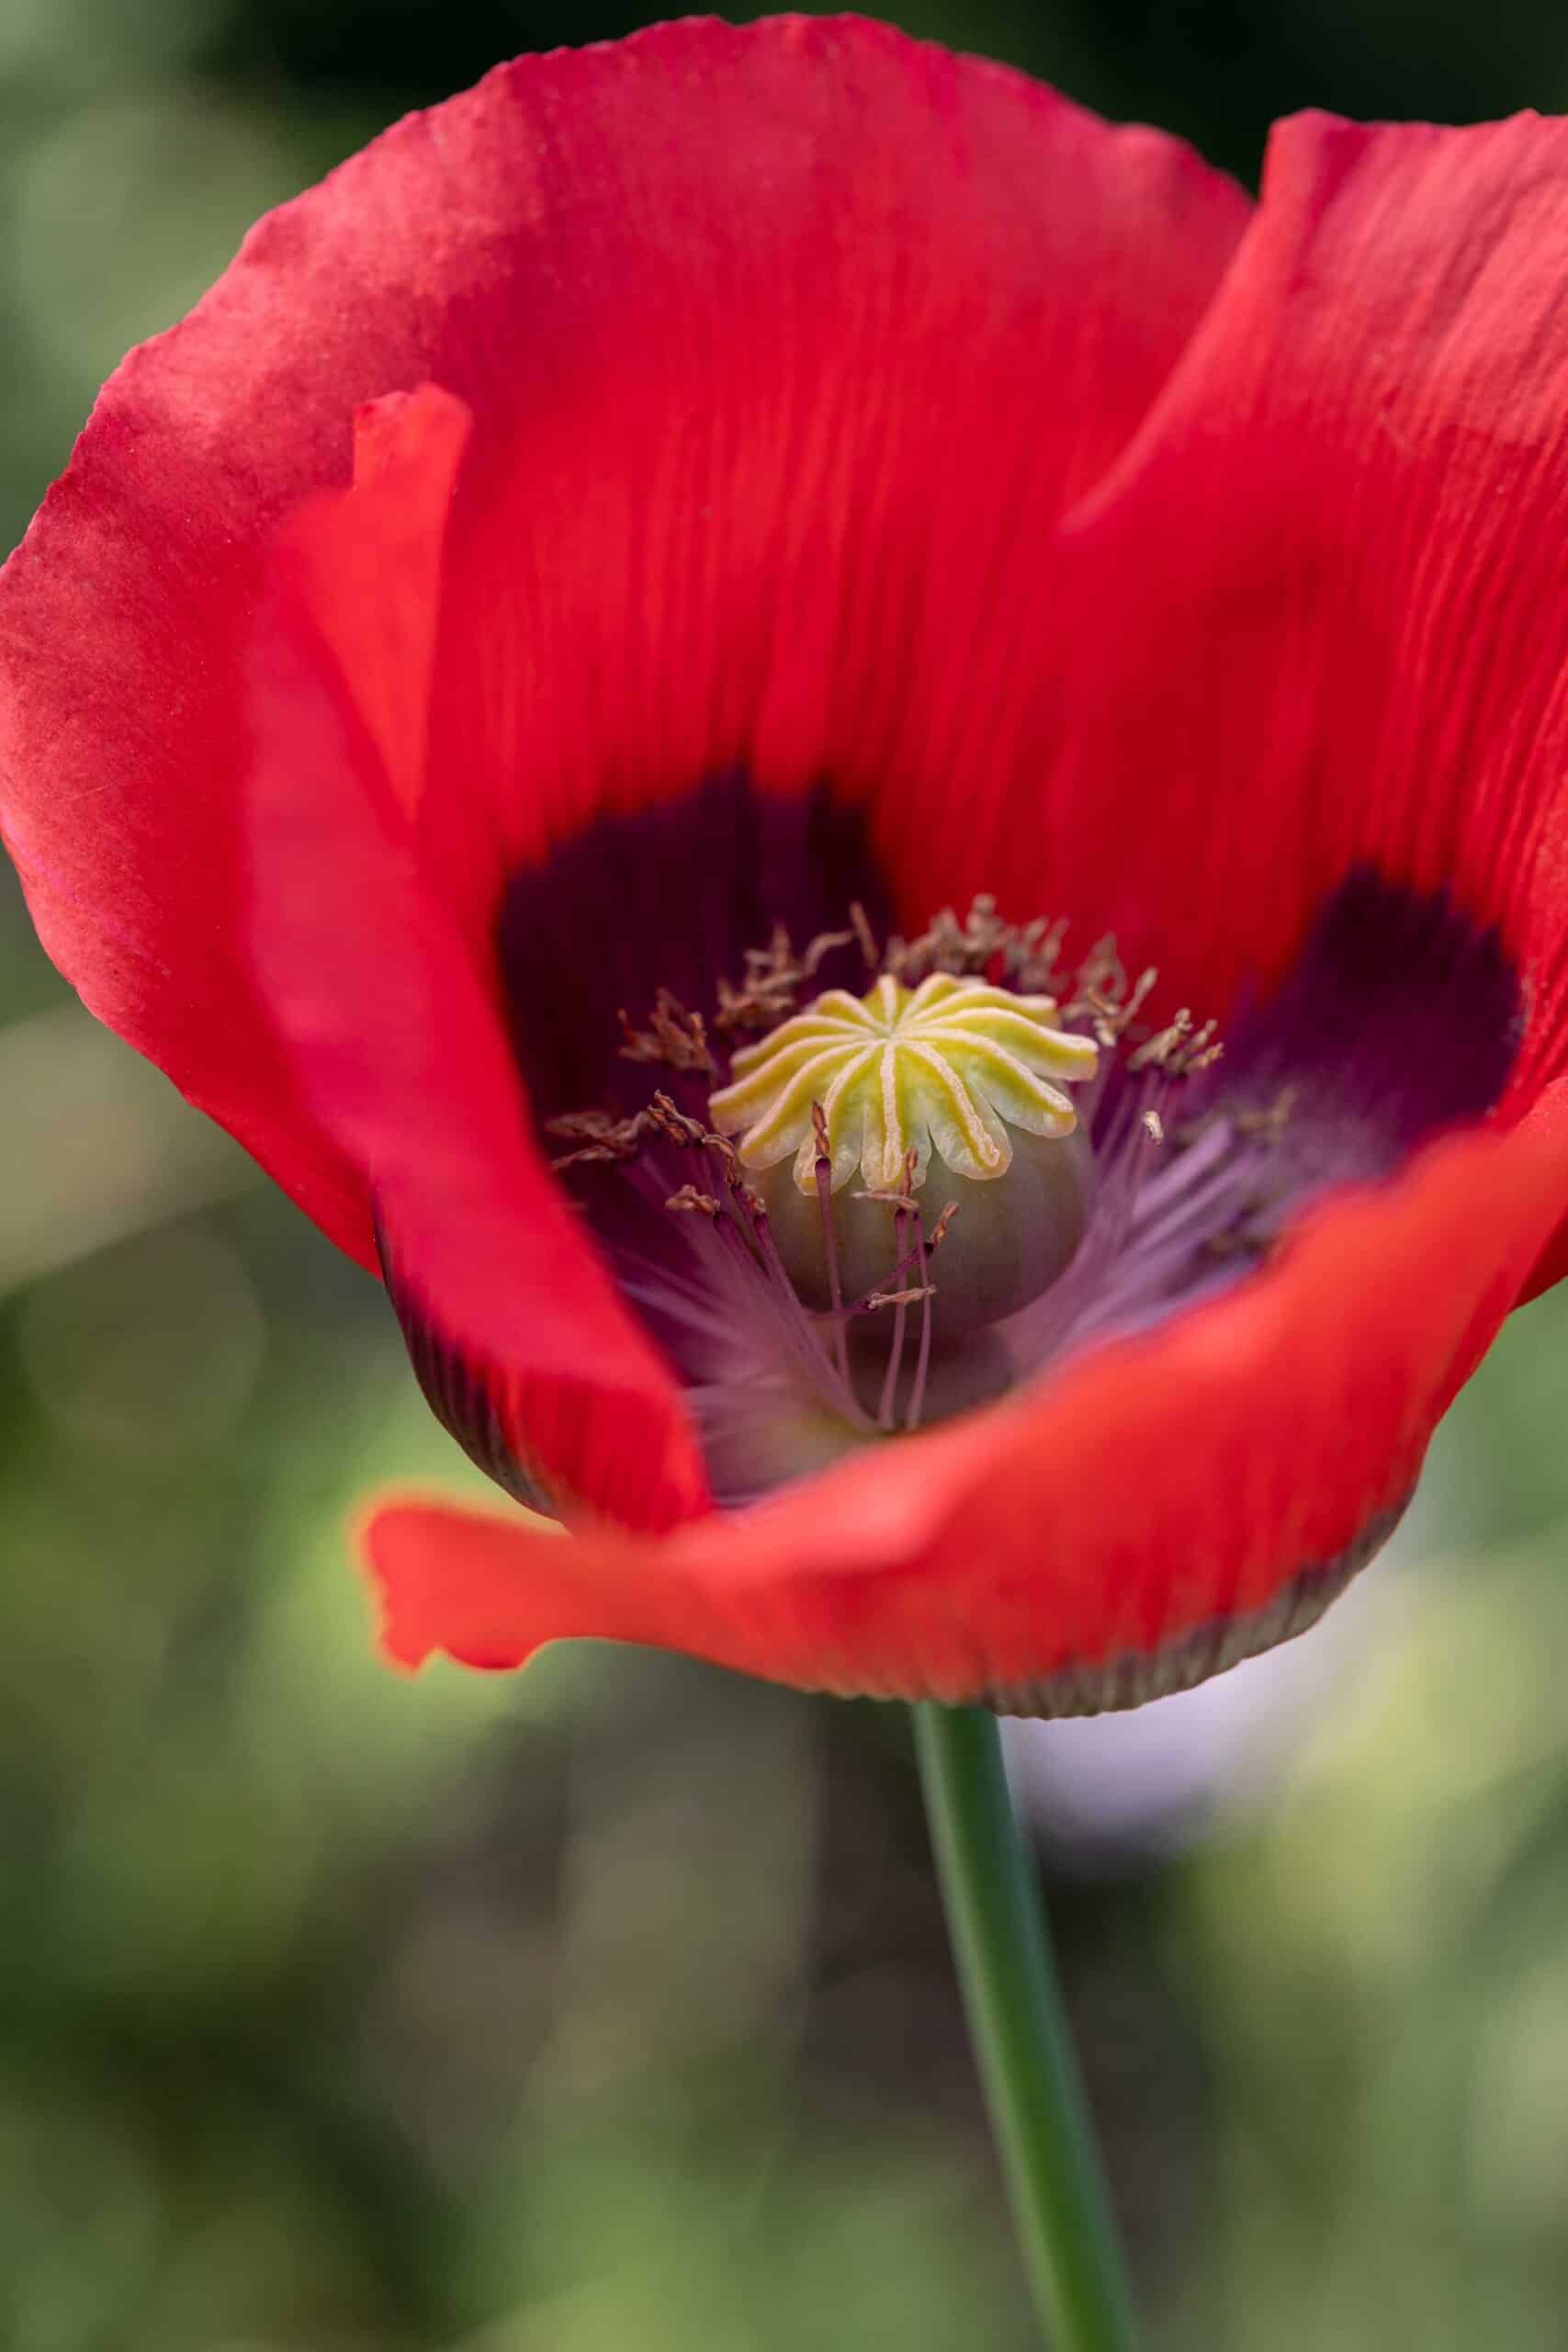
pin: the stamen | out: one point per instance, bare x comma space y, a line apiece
673, 1123
742, 1226
941, 1228
899, 1301
1179, 1049
824, 1173
689, 1199
883, 1293
865, 938
978, 1064
1268, 1125
775, 975
673, 1035
1105, 999
799, 1321
820, 948
922, 1361
601, 1137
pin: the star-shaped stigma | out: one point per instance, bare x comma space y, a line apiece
949, 1065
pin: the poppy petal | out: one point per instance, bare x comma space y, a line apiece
1307, 606
777, 426
394, 1027
1167, 1502
810, 384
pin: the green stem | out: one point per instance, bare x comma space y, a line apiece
1023, 2046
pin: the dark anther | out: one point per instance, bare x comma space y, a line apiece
775, 975
865, 938
724, 1153
697, 1203
939, 1231
767, 994
982, 946
599, 1136
1179, 1048
674, 1037
1268, 1125
673, 1124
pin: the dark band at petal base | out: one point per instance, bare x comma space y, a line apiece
669, 898
465, 1397
1401, 1016
1134, 1678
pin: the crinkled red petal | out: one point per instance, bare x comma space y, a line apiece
1158, 1486
392, 1021
777, 423
1305, 617
787, 344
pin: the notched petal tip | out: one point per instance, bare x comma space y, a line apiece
452, 1583
395, 432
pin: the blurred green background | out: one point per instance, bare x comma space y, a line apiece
609, 2010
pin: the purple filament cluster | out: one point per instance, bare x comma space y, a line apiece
1398, 1017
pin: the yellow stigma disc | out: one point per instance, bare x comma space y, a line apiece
945, 1068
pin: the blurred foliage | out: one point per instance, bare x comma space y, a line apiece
608, 2010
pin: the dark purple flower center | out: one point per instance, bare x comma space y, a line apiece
811, 1312
648, 955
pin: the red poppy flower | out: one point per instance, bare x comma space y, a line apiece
732, 526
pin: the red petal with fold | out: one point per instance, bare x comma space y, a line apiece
1310, 609
1157, 1486
786, 345
791, 411
391, 1019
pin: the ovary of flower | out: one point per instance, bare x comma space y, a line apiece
948, 1065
